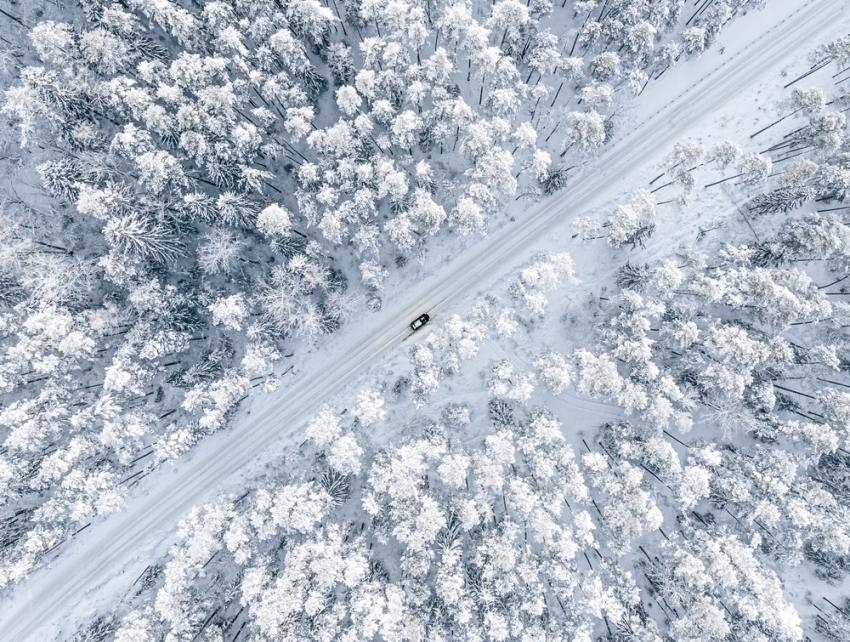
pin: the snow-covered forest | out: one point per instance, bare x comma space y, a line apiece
209, 180
641, 431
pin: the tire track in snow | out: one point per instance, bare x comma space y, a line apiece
44, 602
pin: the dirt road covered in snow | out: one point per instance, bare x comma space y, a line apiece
46, 605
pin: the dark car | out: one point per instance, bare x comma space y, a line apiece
419, 322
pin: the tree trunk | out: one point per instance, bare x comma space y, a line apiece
722, 181
557, 93
764, 129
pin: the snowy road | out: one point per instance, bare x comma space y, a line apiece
48, 601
